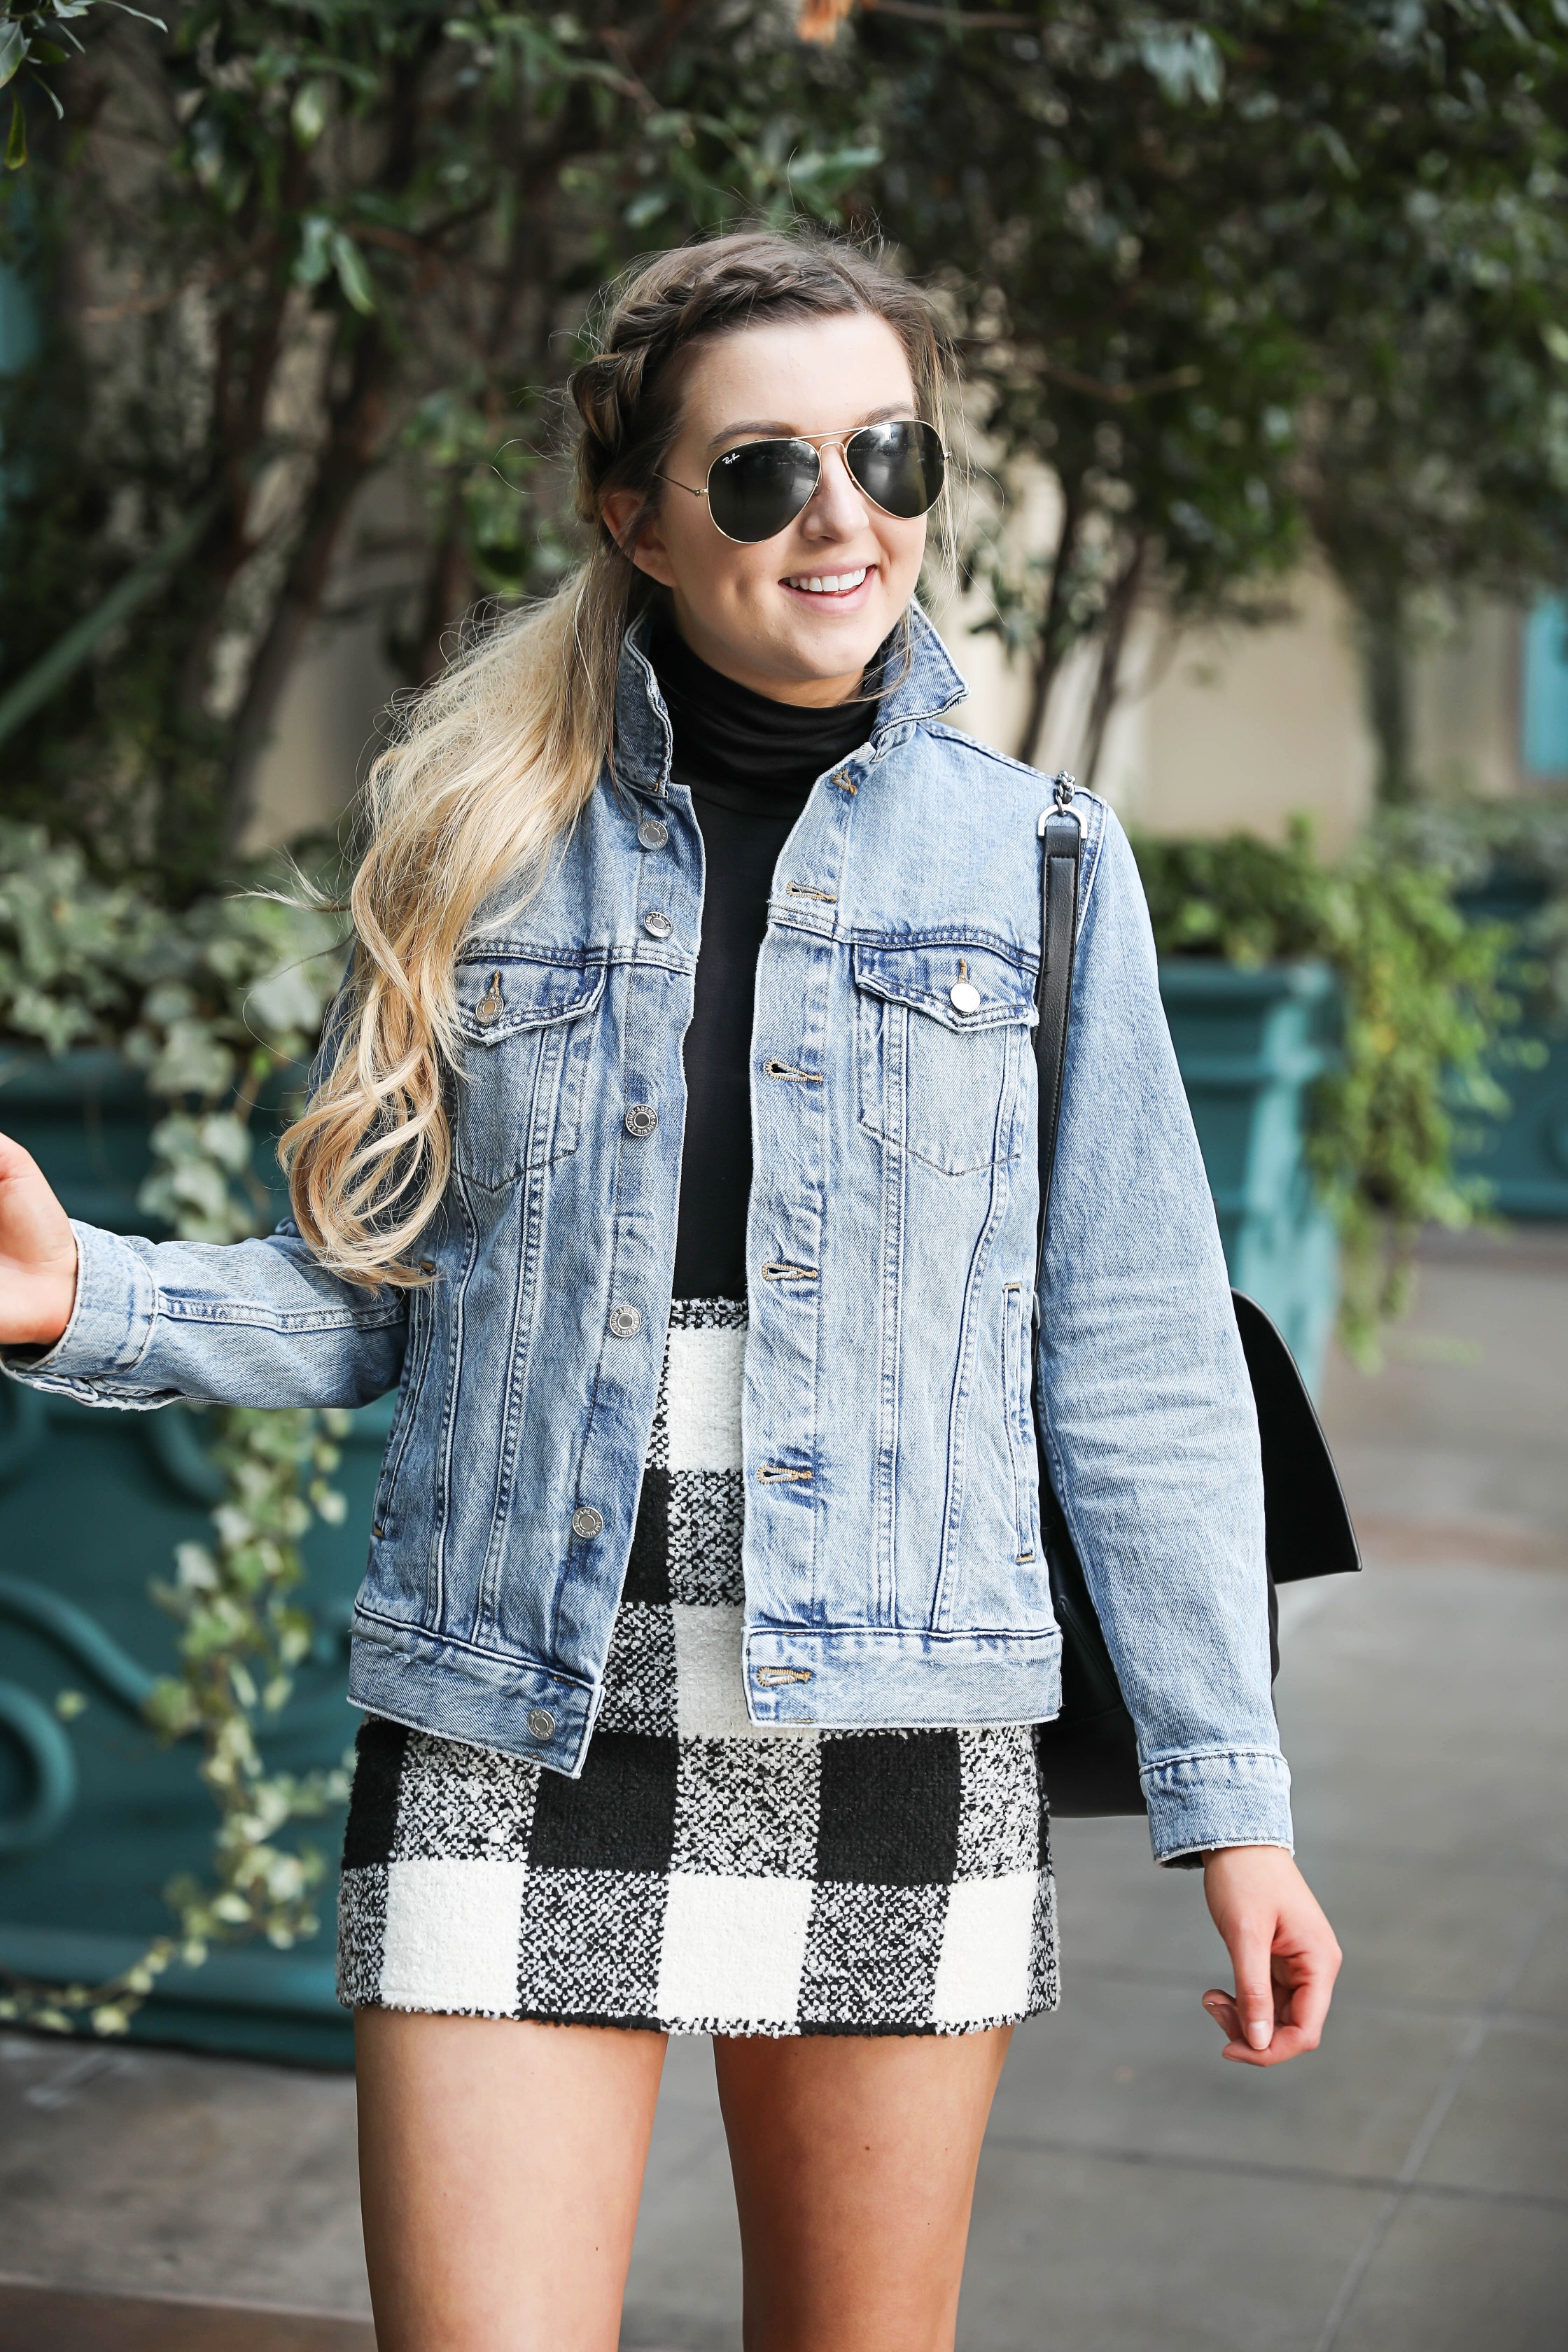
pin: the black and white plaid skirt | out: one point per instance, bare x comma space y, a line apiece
702, 1875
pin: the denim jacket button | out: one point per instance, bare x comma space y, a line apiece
625, 1322
963, 996
541, 1723
652, 834
657, 924
641, 1119
587, 1521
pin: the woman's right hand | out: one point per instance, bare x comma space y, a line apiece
37, 1254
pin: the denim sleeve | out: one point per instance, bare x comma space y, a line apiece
1152, 1427
251, 1323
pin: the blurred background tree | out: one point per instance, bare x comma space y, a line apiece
1279, 281
280, 251
1274, 278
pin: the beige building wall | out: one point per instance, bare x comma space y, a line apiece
1218, 731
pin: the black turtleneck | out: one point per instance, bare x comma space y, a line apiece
750, 764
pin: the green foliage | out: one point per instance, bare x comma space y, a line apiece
1423, 1004
211, 1005
317, 273
1520, 844
1247, 282
34, 37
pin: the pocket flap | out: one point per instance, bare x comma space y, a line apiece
991, 989
500, 993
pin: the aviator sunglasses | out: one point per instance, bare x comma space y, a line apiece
757, 490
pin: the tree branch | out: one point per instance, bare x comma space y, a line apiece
1112, 643
1047, 648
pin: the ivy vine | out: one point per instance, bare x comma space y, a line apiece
217, 1006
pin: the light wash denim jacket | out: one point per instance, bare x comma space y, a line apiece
894, 1571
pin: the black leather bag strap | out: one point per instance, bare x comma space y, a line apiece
1061, 865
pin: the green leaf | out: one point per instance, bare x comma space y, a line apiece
308, 115
314, 258
353, 276
17, 139
13, 50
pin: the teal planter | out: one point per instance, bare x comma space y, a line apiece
1524, 1157
1251, 1045
95, 1815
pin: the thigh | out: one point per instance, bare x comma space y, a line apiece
501, 2163
854, 2158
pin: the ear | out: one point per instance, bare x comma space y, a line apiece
644, 546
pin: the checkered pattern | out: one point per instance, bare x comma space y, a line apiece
702, 1875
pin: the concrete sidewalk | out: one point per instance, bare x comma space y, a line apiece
1405, 2189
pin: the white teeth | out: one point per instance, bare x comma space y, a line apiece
830, 583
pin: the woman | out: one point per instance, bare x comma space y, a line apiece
672, 1151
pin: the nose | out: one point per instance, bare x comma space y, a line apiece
837, 506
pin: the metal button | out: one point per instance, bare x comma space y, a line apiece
587, 1521
651, 834
489, 1006
657, 924
963, 996
625, 1322
641, 1119
541, 1723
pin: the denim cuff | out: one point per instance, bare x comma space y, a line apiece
1219, 1797
111, 1322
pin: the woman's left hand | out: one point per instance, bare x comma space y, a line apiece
1281, 1948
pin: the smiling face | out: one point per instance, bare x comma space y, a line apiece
798, 616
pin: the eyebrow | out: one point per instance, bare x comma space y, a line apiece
770, 429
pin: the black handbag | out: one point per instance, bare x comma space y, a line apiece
1088, 1754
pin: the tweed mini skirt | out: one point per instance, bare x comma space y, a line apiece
702, 1875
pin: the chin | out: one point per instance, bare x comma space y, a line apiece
829, 646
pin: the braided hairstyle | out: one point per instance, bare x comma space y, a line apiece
491, 766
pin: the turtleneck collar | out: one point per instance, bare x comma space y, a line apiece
742, 750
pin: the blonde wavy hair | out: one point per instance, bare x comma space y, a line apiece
490, 764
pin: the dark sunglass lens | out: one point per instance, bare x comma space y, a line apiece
898, 466
757, 489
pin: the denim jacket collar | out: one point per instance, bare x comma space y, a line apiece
644, 746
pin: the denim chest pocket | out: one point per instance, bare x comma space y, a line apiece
526, 1029
941, 1034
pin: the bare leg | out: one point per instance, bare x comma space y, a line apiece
500, 2164
854, 2160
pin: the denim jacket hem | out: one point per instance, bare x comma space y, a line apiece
457, 1691
875, 1678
